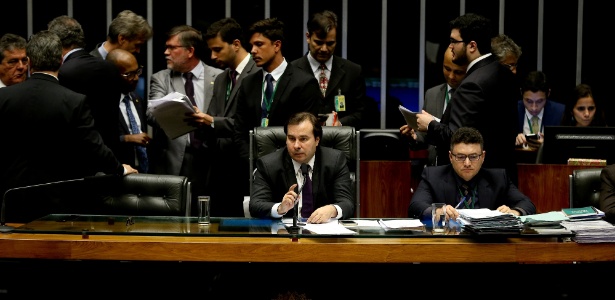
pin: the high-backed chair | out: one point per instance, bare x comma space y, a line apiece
585, 187
265, 140
148, 195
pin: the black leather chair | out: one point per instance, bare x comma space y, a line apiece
265, 140
585, 187
148, 195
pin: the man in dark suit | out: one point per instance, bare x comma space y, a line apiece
345, 91
224, 38
465, 184
607, 192
293, 90
51, 133
278, 174
486, 99
88, 75
133, 142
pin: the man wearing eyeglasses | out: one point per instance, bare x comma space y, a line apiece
91, 76
133, 122
464, 184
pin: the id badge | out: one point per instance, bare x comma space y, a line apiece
340, 103
264, 122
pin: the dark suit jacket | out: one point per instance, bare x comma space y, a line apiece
99, 81
49, 135
494, 189
552, 115
607, 192
434, 104
486, 100
330, 182
346, 77
227, 199
126, 151
295, 92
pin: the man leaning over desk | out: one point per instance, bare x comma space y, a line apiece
464, 185
279, 173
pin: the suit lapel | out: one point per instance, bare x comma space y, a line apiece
280, 87
337, 73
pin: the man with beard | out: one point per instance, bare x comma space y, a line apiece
485, 99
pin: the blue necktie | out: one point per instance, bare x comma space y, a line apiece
134, 128
307, 201
268, 95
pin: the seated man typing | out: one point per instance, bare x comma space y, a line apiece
463, 184
279, 173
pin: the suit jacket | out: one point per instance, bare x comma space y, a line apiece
552, 115
168, 154
485, 100
346, 77
95, 52
126, 151
330, 182
99, 80
227, 199
434, 104
50, 136
295, 92
494, 188
607, 192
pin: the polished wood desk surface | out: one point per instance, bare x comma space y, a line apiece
26, 244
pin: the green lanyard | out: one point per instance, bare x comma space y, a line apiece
228, 92
269, 101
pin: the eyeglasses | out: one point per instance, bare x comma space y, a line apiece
173, 47
454, 41
462, 157
134, 73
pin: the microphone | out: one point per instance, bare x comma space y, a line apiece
295, 228
6, 228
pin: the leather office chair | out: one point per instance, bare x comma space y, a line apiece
585, 188
265, 140
148, 195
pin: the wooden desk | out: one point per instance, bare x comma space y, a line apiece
547, 185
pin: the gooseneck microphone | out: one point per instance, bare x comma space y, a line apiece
6, 228
295, 228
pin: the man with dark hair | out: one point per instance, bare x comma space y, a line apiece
127, 31
88, 75
279, 173
187, 155
344, 91
464, 184
51, 133
13, 60
486, 99
225, 40
270, 97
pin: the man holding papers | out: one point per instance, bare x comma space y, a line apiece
464, 185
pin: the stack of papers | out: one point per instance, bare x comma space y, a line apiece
583, 213
593, 231
484, 220
402, 224
171, 112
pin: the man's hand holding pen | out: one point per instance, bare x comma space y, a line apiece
451, 212
289, 200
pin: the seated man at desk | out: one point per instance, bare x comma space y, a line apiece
607, 192
321, 170
464, 185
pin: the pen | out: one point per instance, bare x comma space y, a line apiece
461, 201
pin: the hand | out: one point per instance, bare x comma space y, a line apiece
322, 214
507, 210
520, 140
288, 201
200, 118
451, 213
423, 119
139, 138
129, 170
407, 132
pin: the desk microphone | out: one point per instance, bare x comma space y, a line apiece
295, 228
6, 228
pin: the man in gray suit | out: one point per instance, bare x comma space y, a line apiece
436, 100
127, 31
224, 38
187, 155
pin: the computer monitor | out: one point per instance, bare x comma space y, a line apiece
564, 142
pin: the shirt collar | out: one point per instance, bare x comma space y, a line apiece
277, 73
316, 65
297, 165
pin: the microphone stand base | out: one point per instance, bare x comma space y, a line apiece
293, 229
6, 228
